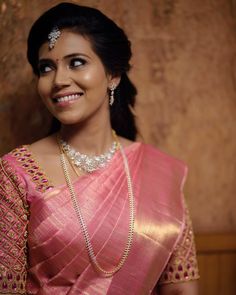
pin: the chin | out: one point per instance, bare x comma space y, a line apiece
69, 120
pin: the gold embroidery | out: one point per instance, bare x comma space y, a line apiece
13, 226
182, 265
25, 158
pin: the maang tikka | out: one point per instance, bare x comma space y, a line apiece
53, 36
112, 99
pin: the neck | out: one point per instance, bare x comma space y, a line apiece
91, 140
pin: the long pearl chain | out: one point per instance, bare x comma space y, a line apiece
88, 244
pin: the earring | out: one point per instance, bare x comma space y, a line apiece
112, 89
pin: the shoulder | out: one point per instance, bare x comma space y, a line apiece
20, 161
10, 177
167, 172
8, 162
46, 145
13, 160
163, 160
150, 151
162, 178
21, 168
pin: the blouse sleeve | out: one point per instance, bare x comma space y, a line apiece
13, 231
182, 265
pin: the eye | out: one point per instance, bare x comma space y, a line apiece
44, 68
77, 62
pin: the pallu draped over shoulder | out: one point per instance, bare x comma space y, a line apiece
42, 250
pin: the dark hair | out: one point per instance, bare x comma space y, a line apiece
109, 42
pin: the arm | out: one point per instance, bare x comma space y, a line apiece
181, 272
187, 288
13, 231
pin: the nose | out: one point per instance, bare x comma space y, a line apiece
61, 78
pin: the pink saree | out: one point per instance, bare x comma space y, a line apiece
57, 259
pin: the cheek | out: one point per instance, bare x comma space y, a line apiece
44, 93
95, 77
43, 88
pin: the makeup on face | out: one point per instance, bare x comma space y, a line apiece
70, 61
73, 82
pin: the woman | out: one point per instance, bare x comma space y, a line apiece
87, 210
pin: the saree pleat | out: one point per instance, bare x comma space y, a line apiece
89, 282
106, 219
93, 236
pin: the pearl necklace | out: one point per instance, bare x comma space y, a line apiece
89, 247
88, 163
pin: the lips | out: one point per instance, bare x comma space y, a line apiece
67, 97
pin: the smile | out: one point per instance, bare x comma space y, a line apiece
67, 98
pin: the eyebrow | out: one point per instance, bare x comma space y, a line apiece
46, 60
76, 54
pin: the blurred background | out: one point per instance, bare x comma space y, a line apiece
184, 66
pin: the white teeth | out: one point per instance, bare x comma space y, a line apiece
68, 97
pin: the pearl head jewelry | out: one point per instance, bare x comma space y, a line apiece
53, 36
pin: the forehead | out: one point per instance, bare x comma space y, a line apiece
68, 43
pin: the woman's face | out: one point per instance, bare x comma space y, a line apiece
72, 81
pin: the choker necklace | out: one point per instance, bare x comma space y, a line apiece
92, 256
85, 162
